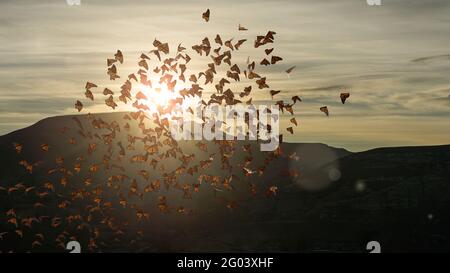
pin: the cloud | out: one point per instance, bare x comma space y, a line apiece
431, 58
325, 88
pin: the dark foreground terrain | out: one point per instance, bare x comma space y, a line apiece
337, 202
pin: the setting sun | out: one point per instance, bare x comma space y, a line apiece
158, 96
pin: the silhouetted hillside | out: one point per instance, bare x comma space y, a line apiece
336, 201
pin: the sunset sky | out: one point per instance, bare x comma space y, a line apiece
394, 59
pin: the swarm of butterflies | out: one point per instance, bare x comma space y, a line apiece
139, 155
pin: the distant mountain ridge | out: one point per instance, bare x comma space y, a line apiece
46, 130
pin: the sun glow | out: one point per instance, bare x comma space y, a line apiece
160, 97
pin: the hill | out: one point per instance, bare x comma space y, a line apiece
336, 201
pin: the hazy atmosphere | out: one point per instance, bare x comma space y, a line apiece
394, 59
